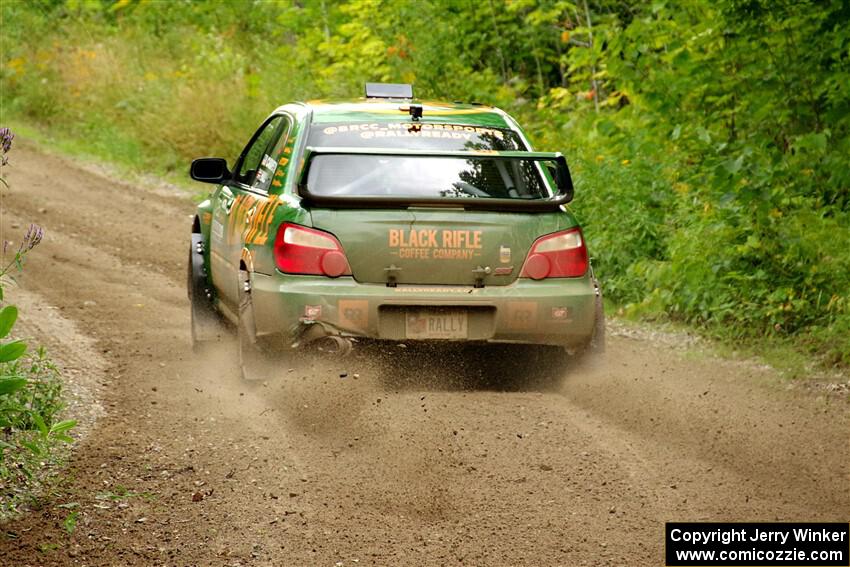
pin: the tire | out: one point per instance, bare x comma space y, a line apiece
204, 320
253, 364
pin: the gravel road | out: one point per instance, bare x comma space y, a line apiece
413, 458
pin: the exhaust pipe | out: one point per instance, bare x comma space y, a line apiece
334, 345
315, 335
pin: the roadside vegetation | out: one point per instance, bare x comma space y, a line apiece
709, 140
30, 386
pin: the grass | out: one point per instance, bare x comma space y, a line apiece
780, 354
788, 361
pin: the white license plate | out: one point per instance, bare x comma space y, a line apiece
435, 324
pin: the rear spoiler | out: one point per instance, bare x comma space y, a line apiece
561, 177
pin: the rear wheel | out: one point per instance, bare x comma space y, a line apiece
253, 364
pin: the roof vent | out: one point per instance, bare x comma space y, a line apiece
389, 90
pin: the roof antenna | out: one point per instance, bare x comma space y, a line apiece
415, 112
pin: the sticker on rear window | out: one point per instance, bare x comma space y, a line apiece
454, 131
415, 135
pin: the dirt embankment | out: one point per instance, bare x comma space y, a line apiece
188, 467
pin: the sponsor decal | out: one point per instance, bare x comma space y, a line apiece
521, 315
238, 215
561, 314
505, 254
259, 222
269, 163
281, 167
353, 312
428, 244
402, 130
253, 216
464, 290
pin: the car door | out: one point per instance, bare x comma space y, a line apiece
237, 202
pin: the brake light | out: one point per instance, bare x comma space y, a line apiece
302, 250
558, 255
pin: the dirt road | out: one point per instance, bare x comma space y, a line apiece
189, 467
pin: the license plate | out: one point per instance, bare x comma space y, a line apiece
434, 324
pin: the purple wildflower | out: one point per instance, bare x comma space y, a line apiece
6, 137
31, 239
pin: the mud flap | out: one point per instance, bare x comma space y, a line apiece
597, 341
596, 344
254, 364
206, 324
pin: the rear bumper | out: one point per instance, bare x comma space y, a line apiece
552, 312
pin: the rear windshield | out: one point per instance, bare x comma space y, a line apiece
413, 136
426, 177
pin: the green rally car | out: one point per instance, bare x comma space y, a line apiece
393, 219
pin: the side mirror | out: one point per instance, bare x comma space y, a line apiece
210, 170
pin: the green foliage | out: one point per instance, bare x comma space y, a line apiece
70, 522
708, 140
758, 241
30, 428
40, 400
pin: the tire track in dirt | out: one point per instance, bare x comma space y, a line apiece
191, 467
